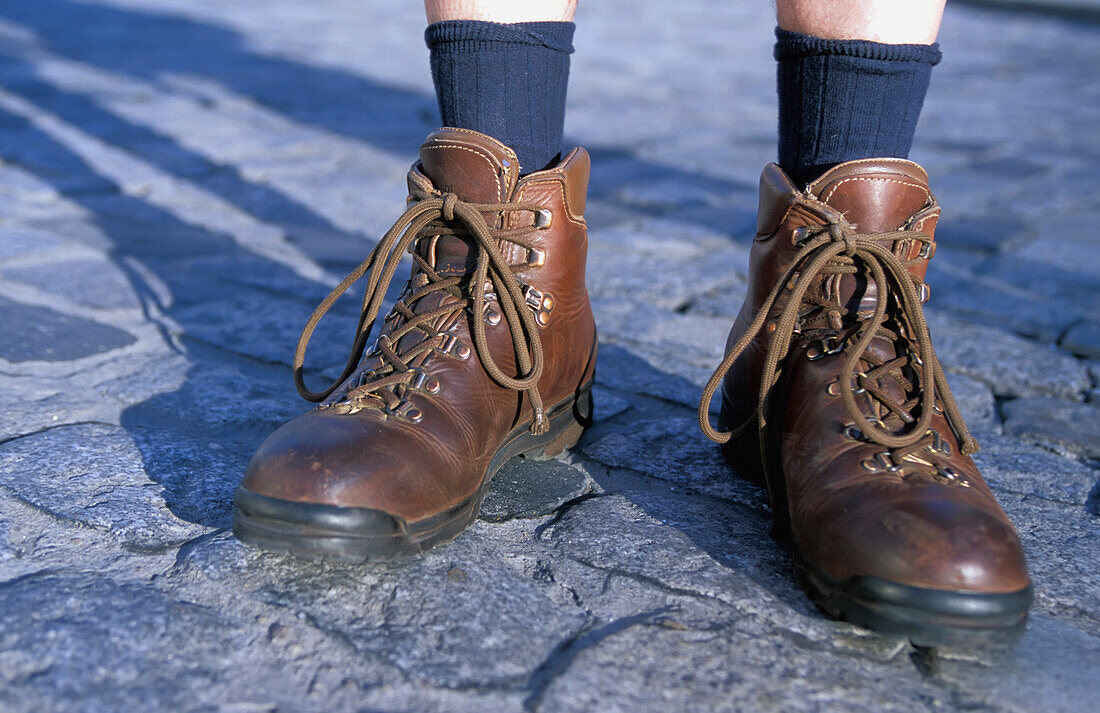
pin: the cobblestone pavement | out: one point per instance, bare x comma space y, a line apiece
182, 180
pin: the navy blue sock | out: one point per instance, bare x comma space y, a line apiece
504, 80
841, 100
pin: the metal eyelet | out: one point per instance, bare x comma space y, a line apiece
927, 250
829, 345
833, 389
543, 219
425, 383
342, 407
536, 257
453, 345
542, 303
939, 444
925, 292
881, 461
948, 474
799, 235
407, 410
853, 433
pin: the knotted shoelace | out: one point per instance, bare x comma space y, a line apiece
433, 213
837, 249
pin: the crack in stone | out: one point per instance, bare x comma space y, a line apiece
653, 583
185, 548
563, 655
562, 509
9, 583
1010, 491
55, 426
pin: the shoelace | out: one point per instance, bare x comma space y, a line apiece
434, 213
838, 249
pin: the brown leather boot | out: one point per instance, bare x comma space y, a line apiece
489, 353
834, 399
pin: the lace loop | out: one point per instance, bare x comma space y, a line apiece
836, 249
459, 218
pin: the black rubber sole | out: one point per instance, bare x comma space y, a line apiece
317, 531
927, 617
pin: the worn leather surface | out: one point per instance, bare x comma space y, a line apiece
915, 527
369, 459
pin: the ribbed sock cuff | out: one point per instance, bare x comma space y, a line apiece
551, 35
842, 100
792, 45
504, 80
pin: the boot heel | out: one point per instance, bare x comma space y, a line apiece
742, 453
568, 426
567, 439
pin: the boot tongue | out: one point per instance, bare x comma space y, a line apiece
473, 166
874, 195
476, 168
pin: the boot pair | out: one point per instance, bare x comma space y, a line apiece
832, 396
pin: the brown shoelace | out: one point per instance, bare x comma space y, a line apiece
837, 249
434, 213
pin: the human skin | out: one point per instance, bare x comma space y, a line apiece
894, 22
501, 10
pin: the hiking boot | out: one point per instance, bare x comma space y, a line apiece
489, 353
832, 397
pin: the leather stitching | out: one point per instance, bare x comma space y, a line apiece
825, 198
480, 154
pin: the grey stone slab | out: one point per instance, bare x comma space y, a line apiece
1064, 290
93, 475
459, 617
1065, 425
606, 404
981, 234
1011, 466
30, 404
1061, 545
272, 330
7, 549
41, 334
673, 450
1083, 340
657, 663
976, 401
1010, 365
1062, 251
528, 488
18, 241
619, 368
668, 449
76, 641
92, 283
994, 304
722, 301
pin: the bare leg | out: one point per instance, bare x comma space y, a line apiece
501, 10
892, 22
